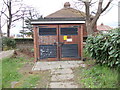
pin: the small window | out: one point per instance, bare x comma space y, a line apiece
69, 31
47, 31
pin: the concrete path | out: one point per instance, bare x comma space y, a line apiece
8, 53
61, 72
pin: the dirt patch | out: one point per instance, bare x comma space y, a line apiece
24, 53
26, 70
45, 76
27, 52
45, 79
29, 63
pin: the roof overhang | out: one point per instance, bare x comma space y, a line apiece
56, 22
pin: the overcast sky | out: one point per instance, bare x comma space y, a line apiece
46, 7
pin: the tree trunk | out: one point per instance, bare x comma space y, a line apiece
9, 19
8, 29
91, 21
90, 29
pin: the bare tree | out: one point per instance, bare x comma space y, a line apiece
12, 14
0, 26
2, 9
91, 20
30, 14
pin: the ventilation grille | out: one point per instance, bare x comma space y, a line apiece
48, 51
70, 50
47, 31
69, 31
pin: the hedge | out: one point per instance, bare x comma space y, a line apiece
105, 48
8, 43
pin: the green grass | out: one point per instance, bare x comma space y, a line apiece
30, 81
0, 74
97, 77
11, 72
10, 67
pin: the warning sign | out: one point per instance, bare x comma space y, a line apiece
64, 37
69, 40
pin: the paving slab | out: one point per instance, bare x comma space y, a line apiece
82, 65
62, 85
5, 54
63, 77
56, 64
61, 71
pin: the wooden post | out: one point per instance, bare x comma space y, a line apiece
35, 43
81, 34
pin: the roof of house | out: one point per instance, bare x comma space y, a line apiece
65, 15
103, 27
67, 12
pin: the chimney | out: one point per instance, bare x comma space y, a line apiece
67, 5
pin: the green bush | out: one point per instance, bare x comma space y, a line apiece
8, 43
105, 48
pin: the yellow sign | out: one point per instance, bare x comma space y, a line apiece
64, 37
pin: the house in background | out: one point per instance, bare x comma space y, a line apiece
103, 28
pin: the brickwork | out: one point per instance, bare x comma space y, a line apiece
24, 43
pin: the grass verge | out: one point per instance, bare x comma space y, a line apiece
19, 70
96, 76
30, 81
10, 67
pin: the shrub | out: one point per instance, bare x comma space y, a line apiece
8, 43
105, 48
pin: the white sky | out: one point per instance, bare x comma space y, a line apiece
46, 7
